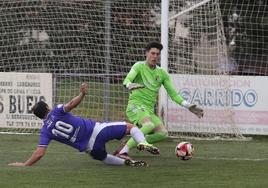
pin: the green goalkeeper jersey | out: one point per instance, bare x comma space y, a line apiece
152, 79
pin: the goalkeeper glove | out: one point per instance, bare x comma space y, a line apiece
132, 86
199, 112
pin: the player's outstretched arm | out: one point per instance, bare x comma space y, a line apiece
199, 112
76, 100
36, 156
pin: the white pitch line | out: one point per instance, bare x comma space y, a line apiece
57, 152
231, 159
195, 157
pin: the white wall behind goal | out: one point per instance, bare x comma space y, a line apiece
237, 102
18, 93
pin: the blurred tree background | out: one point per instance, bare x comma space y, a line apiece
71, 36
246, 30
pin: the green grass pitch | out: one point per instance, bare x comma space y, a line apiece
215, 164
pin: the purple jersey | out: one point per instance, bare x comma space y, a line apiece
66, 128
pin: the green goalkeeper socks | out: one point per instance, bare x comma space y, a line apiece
156, 137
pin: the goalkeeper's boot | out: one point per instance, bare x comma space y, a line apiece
133, 163
148, 147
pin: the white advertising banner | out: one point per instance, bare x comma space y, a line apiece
18, 93
235, 101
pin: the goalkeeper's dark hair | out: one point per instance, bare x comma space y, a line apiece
157, 45
40, 109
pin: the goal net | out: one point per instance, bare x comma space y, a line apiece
75, 41
210, 40
64, 43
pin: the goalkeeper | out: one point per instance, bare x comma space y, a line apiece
144, 81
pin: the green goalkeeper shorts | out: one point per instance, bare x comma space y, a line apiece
136, 113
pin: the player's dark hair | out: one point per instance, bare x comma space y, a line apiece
40, 109
157, 45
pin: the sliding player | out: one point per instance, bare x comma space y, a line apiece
84, 135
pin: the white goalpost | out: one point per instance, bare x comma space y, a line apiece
201, 60
195, 52
48, 48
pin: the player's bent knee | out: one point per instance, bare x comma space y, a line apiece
98, 155
165, 132
156, 137
163, 135
161, 129
149, 124
129, 127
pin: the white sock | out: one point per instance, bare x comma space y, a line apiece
137, 135
125, 149
113, 160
